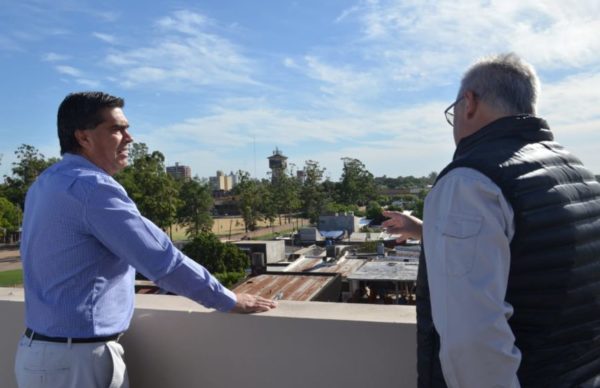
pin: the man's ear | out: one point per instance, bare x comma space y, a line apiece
82, 138
471, 104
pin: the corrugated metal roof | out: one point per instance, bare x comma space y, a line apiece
387, 270
285, 287
343, 266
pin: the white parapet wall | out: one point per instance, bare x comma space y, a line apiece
174, 342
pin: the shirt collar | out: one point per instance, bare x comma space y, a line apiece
82, 161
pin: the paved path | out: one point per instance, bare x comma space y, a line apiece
10, 259
267, 230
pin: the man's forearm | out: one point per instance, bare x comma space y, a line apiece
192, 280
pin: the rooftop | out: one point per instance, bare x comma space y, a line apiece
344, 266
391, 270
286, 286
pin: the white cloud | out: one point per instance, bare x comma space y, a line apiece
69, 70
408, 139
381, 138
88, 83
119, 60
421, 42
573, 99
54, 57
334, 87
183, 54
235, 125
340, 80
145, 74
571, 108
78, 76
185, 22
289, 62
105, 37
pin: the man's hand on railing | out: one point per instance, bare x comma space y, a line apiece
247, 303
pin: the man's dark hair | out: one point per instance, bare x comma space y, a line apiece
82, 111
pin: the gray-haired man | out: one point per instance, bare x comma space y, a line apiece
509, 283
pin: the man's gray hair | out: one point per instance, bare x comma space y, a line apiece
505, 82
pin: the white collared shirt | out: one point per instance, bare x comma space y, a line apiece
467, 229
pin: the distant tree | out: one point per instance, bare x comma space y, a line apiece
312, 192
407, 197
386, 182
250, 193
335, 207
406, 182
150, 187
217, 257
375, 212
194, 207
418, 211
432, 177
285, 194
357, 185
331, 191
395, 208
137, 151
29, 165
10, 217
268, 207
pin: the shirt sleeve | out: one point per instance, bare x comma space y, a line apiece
468, 226
115, 221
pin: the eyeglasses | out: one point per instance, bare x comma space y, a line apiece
449, 112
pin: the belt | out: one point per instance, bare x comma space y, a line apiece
40, 337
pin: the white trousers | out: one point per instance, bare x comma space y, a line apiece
92, 365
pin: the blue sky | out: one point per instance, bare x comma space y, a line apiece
217, 85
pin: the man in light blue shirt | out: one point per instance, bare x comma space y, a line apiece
83, 239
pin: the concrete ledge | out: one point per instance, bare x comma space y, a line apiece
291, 309
174, 342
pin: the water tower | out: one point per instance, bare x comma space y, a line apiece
277, 164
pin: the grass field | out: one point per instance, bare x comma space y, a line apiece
11, 278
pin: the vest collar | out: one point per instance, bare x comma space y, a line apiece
525, 127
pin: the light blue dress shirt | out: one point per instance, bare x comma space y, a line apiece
82, 238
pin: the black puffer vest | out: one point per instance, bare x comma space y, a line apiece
554, 280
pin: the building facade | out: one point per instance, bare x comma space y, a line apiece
222, 182
179, 171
